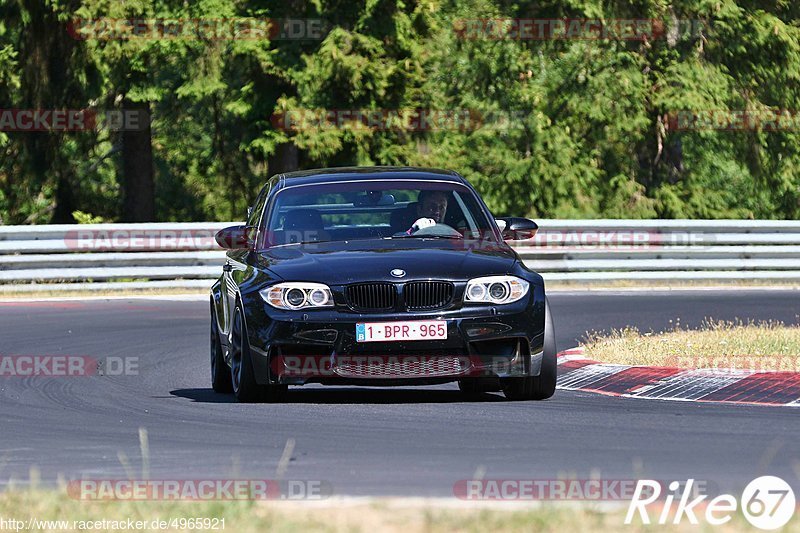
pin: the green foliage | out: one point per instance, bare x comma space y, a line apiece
86, 218
560, 128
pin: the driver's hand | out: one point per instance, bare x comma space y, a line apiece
420, 224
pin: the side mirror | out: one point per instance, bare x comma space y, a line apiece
234, 237
518, 228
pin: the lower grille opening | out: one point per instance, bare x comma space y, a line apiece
501, 356
496, 348
394, 367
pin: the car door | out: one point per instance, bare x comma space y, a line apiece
234, 259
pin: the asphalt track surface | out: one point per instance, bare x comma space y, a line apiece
411, 441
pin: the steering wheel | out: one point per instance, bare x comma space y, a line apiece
439, 230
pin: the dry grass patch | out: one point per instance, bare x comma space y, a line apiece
390, 515
714, 343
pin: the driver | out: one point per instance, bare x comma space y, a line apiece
430, 211
432, 204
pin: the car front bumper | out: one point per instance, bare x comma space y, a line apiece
296, 347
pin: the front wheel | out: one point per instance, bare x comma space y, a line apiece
245, 387
220, 374
542, 386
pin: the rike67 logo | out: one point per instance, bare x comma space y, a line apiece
767, 502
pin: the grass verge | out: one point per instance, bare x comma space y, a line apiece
713, 344
391, 515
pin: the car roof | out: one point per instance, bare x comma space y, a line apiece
327, 175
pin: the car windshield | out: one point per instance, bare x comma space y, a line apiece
358, 210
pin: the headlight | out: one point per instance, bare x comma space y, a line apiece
298, 295
496, 290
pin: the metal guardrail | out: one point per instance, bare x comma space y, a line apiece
186, 255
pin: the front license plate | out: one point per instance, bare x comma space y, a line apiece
416, 330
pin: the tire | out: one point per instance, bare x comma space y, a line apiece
542, 386
220, 373
245, 387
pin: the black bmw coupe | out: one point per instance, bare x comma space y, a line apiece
378, 276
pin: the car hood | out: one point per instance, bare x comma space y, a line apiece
339, 263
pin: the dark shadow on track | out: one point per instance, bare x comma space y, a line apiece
334, 395
203, 395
